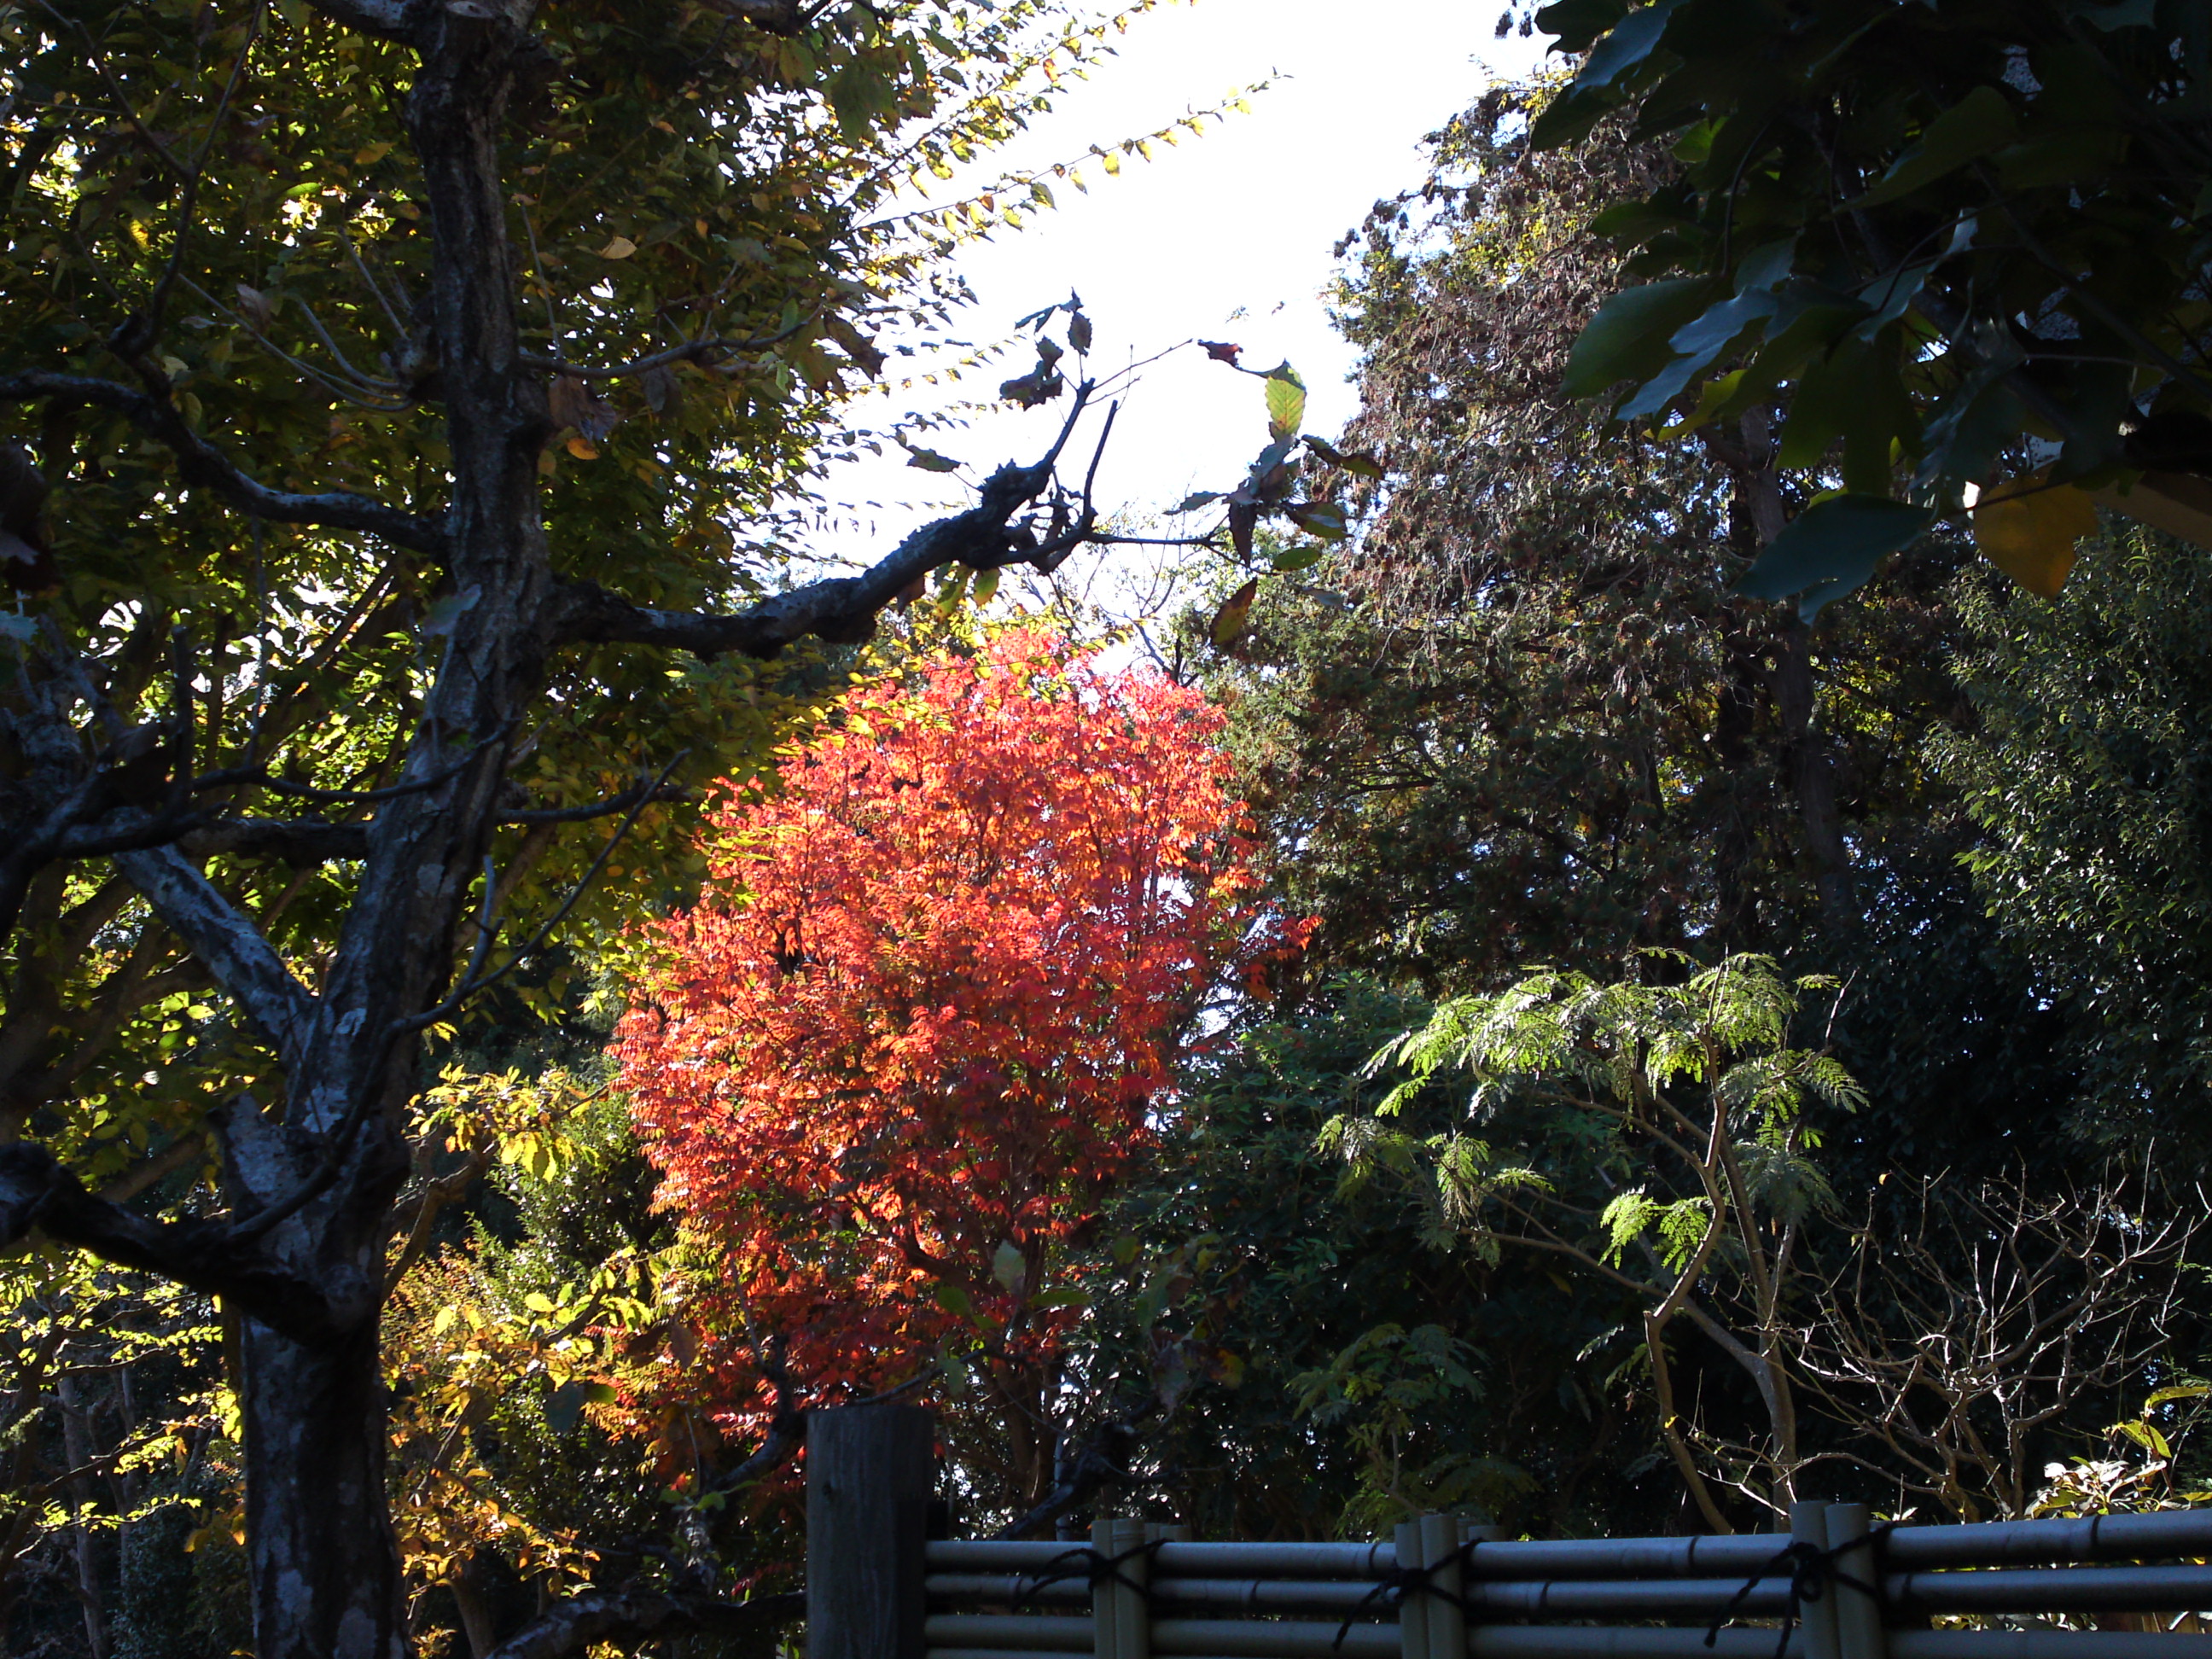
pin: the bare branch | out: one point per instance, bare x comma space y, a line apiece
204, 467
694, 351
842, 609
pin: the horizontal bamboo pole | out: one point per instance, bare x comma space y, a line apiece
2020, 1590
1986, 1544
1592, 1642
1705, 1556
1317, 1595
1585, 1642
2046, 1645
1042, 1630
1174, 1560
1265, 1638
1253, 1638
1588, 1642
1006, 1587
2023, 1543
1627, 1598
2053, 1589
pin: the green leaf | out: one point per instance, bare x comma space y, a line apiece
1627, 340
564, 1408
1831, 548
1286, 403
1626, 44
1297, 558
1702, 342
1578, 23
1323, 519
954, 1300
1979, 122
1192, 504
1008, 1267
2109, 15
929, 460
1365, 466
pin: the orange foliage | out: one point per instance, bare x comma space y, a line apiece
913, 1034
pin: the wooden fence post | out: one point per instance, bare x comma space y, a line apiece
871, 1474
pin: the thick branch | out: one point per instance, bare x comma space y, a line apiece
204, 467
629, 1615
388, 19
1103, 1461
241, 959
299, 842
842, 609
36, 1191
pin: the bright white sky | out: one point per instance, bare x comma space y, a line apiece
1242, 219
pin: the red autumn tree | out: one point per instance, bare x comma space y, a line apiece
914, 1032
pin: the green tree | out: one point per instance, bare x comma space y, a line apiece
2088, 769
1523, 717
1348, 1363
1659, 1137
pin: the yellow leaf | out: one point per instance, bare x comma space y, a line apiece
583, 449
620, 248
1229, 621
2027, 529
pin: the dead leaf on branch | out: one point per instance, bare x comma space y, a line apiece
663, 392
1235, 616
857, 346
573, 402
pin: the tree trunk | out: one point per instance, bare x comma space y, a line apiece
77, 1446
1813, 776
467, 1589
326, 1581
1807, 759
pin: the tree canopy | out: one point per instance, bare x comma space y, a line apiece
1958, 243
914, 1033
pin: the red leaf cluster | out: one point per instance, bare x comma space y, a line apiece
915, 1029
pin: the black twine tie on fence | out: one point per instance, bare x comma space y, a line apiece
1402, 1581
1088, 1565
1811, 1570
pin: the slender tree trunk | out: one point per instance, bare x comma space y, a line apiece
77, 1446
467, 1589
1806, 758
1812, 768
325, 1565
